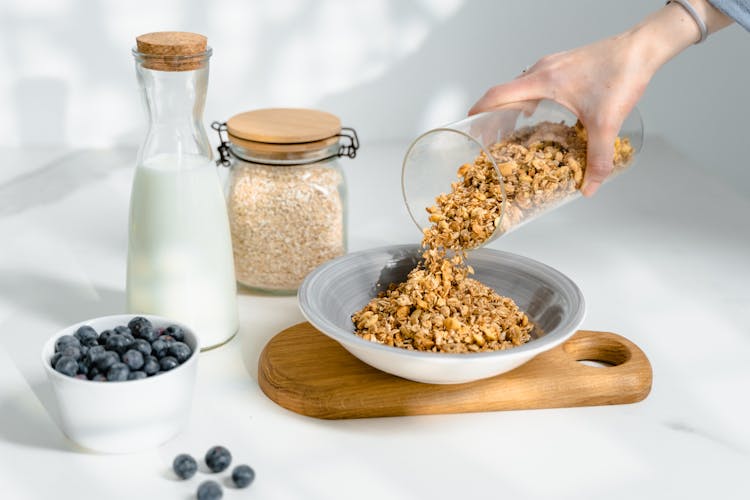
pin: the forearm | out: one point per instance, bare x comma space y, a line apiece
670, 30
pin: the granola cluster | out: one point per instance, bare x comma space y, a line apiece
439, 308
541, 167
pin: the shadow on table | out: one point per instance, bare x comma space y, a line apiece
58, 300
44, 304
24, 425
61, 177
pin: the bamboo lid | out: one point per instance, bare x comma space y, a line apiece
284, 126
173, 50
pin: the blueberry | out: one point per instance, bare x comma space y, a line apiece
103, 336
71, 352
168, 362
151, 365
118, 372
149, 334
93, 372
180, 350
106, 360
167, 338
218, 458
55, 358
184, 466
243, 475
137, 324
65, 341
94, 353
159, 347
99, 378
119, 343
67, 366
87, 336
137, 375
176, 332
124, 330
83, 367
142, 346
209, 490
133, 358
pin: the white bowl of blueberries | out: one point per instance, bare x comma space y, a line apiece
122, 383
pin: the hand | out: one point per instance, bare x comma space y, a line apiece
601, 82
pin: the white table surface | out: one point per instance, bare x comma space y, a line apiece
662, 255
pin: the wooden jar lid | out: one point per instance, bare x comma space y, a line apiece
284, 130
172, 50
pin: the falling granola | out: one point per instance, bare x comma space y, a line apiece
439, 308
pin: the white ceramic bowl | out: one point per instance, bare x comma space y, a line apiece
122, 417
334, 291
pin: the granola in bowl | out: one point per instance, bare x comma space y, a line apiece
440, 308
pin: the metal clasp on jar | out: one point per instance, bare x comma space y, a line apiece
348, 148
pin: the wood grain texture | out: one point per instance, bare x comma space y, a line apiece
306, 372
284, 125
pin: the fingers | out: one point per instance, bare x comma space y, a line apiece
521, 89
600, 151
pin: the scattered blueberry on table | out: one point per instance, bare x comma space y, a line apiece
243, 475
184, 466
209, 490
218, 458
132, 352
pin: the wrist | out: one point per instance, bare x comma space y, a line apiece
663, 35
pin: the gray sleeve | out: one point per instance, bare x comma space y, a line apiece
739, 10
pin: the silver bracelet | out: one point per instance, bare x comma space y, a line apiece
694, 14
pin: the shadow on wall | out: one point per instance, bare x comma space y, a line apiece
41, 109
419, 63
451, 69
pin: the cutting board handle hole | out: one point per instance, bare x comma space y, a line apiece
596, 363
600, 351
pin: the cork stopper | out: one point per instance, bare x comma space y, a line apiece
172, 50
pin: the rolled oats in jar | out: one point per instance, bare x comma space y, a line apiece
286, 193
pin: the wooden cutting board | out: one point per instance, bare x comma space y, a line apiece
306, 372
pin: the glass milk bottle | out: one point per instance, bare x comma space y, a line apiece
180, 262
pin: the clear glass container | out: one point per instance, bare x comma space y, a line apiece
432, 161
180, 263
287, 209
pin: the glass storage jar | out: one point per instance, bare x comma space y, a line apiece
286, 193
533, 153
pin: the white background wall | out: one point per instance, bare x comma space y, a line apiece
390, 68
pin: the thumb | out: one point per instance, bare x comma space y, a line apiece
600, 152
521, 89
